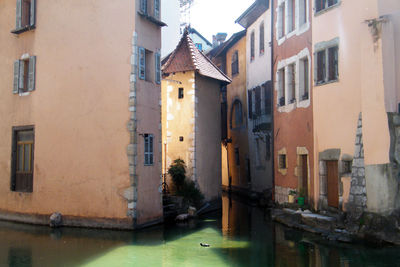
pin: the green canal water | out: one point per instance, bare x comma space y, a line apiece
239, 235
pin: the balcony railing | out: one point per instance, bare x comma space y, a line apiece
262, 121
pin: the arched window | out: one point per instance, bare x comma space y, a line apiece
236, 114
235, 63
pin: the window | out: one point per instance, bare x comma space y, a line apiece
24, 75
324, 4
304, 79
262, 41
180, 93
327, 64
333, 63
145, 66
236, 114
252, 49
268, 97
143, 6
282, 161
302, 12
257, 101
199, 46
250, 103
291, 16
157, 9
180, 138
22, 159
281, 20
321, 63
235, 63
346, 167
148, 149
292, 83
158, 68
237, 157
25, 15
281, 88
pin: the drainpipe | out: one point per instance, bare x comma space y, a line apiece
272, 100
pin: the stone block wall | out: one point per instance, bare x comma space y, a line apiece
281, 194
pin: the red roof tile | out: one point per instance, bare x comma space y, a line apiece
187, 57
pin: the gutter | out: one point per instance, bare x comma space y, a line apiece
272, 100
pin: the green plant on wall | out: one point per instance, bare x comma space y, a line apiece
177, 170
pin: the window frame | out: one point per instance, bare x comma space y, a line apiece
30, 17
323, 49
24, 75
262, 39
326, 6
148, 140
181, 93
237, 115
235, 63
252, 46
15, 158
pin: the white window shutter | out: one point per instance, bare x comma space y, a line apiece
158, 68
18, 23
16, 76
32, 73
21, 75
33, 13
142, 63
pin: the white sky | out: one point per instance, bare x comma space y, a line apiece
209, 17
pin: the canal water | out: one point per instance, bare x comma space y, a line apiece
239, 235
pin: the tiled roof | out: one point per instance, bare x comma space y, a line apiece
187, 57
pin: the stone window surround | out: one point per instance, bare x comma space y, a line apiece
282, 152
283, 64
298, 30
325, 46
317, 13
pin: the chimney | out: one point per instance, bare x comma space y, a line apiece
219, 38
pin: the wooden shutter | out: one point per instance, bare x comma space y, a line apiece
250, 104
158, 68
142, 63
157, 8
21, 75
16, 76
268, 97
18, 23
32, 73
33, 13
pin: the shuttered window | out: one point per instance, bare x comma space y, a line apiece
143, 6
250, 103
25, 15
142, 63
252, 48
268, 97
262, 41
148, 149
24, 75
327, 65
157, 8
158, 68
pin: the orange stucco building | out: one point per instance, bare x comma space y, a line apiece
293, 117
80, 108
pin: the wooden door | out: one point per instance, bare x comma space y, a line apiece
333, 184
304, 175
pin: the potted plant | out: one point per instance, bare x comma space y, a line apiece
291, 196
301, 198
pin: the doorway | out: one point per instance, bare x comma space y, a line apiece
333, 184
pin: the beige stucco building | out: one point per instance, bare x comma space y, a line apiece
80, 108
356, 95
191, 115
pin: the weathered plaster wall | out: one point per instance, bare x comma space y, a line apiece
239, 135
79, 107
148, 115
208, 136
178, 117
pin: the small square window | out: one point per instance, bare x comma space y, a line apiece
282, 161
180, 93
181, 138
199, 46
347, 166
